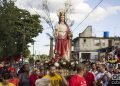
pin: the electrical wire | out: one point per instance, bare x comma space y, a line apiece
87, 15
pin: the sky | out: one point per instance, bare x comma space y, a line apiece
105, 17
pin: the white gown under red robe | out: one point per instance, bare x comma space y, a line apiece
62, 45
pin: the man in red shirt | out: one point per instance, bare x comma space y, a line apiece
11, 68
89, 77
78, 79
34, 76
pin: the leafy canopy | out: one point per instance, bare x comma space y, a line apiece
17, 28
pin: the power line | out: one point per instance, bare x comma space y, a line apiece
88, 15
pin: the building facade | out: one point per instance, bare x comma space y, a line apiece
89, 47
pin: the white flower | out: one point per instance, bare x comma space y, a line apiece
46, 61
20, 59
76, 62
56, 64
72, 63
41, 64
64, 63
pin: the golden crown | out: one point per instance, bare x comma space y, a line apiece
61, 11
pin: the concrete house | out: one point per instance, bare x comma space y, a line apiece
89, 47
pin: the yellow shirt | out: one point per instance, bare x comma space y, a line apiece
112, 61
9, 84
55, 80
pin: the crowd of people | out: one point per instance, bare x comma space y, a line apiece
27, 75
98, 73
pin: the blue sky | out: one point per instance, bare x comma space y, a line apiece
105, 18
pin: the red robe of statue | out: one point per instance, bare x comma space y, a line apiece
62, 45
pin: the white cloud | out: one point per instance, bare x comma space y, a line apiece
98, 14
101, 13
113, 10
80, 9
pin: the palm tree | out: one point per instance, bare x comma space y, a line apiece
51, 45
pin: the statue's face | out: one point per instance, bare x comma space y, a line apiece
62, 18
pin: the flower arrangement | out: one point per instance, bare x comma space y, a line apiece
61, 64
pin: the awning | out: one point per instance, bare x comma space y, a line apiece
107, 49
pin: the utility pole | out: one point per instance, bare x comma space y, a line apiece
33, 49
23, 50
51, 47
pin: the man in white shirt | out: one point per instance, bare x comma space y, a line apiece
103, 77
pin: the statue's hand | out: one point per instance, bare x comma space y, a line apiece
70, 34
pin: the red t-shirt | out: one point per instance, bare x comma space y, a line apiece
15, 81
89, 79
33, 78
77, 80
12, 69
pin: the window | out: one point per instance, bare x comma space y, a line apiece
84, 40
103, 42
97, 42
116, 43
85, 56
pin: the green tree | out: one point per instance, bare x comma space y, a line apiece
44, 57
31, 60
17, 28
